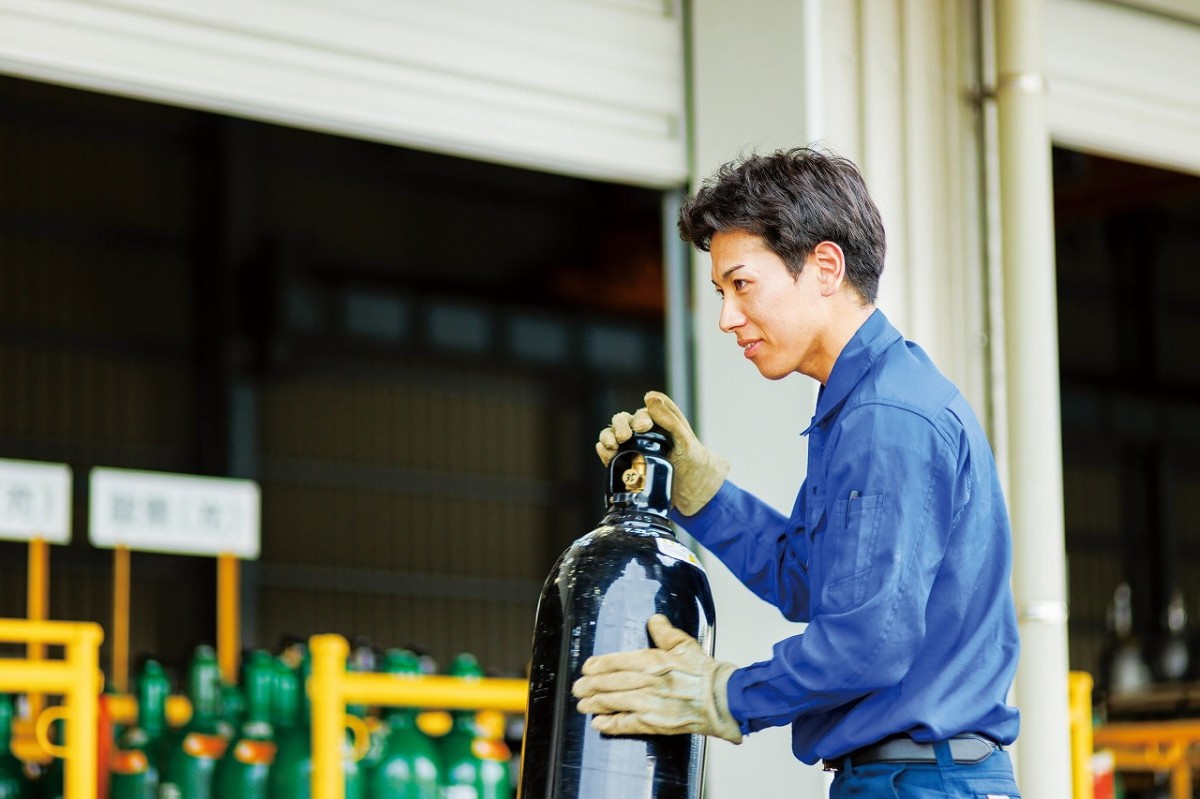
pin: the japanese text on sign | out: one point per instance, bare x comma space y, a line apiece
35, 501
180, 514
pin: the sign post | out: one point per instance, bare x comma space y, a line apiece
35, 506
120, 623
180, 515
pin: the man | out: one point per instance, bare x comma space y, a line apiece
897, 552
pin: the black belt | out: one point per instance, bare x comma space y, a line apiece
902, 749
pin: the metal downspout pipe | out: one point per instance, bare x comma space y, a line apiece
1032, 379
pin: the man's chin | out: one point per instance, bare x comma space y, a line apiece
772, 373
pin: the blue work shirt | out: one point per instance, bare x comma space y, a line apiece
897, 553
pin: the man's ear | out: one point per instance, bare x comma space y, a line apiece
830, 262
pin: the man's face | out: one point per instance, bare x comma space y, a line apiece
778, 320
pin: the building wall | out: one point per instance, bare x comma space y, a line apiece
888, 84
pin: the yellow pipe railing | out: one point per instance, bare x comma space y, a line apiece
1079, 692
123, 709
76, 678
1159, 746
331, 688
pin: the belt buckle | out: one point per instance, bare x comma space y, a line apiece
831, 765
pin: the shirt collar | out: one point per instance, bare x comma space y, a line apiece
852, 364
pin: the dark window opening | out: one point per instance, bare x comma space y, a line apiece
411, 352
1128, 252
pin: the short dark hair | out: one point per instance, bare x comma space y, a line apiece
794, 199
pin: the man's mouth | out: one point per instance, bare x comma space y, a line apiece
750, 347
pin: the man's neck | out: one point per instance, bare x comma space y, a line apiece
845, 324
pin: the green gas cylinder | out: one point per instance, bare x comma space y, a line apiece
190, 764
131, 773
50, 783
364, 658
285, 697
137, 759
476, 765
51, 777
13, 782
233, 709
242, 772
375, 729
154, 689
291, 773
290, 776
410, 765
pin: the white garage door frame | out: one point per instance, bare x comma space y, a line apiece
1124, 83
593, 88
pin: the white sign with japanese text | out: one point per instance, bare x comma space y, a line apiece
35, 501
174, 513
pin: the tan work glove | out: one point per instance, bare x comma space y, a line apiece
698, 472
676, 688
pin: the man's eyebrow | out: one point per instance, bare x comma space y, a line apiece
728, 272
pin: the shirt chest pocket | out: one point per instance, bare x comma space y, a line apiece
847, 550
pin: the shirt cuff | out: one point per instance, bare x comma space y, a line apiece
703, 516
733, 700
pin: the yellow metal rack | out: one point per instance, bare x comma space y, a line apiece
76, 677
1172, 747
331, 688
1079, 693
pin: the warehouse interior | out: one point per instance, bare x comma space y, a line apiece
411, 353
1128, 306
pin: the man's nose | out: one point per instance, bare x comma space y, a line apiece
731, 316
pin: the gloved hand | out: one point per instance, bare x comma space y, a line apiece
698, 472
676, 688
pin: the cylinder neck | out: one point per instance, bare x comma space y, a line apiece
640, 475
285, 697
259, 679
153, 689
204, 685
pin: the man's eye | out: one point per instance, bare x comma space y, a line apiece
739, 284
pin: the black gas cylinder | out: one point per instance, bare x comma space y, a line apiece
596, 600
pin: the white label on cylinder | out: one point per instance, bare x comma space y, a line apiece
676, 550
